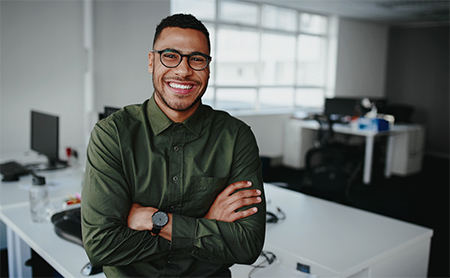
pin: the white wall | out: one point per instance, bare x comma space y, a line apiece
123, 38
42, 65
361, 59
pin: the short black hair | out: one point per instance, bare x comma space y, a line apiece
182, 21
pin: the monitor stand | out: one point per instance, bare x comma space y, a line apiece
48, 166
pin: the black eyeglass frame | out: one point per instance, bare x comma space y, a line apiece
208, 58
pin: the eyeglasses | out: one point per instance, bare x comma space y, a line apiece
171, 58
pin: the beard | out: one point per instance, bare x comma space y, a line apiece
177, 105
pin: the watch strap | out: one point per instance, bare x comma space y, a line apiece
155, 231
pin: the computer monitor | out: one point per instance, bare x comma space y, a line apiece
341, 107
45, 138
108, 111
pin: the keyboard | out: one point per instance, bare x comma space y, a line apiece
13, 168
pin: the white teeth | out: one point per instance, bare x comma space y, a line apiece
179, 86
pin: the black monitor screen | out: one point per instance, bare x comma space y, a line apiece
45, 136
110, 110
340, 106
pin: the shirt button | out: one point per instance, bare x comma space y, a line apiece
175, 179
176, 148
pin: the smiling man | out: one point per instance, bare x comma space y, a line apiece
172, 187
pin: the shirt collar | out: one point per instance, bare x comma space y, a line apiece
160, 122
195, 122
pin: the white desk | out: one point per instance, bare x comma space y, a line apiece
334, 240
67, 258
339, 241
300, 135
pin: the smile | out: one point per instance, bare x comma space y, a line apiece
180, 86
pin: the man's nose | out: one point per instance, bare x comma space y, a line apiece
183, 68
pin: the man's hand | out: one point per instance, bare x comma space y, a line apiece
140, 219
228, 201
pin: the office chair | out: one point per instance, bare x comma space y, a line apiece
401, 112
331, 167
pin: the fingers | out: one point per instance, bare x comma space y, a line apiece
234, 197
236, 186
230, 191
245, 213
245, 200
241, 199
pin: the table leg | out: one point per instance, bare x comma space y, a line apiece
11, 252
368, 160
389, 156
18, 253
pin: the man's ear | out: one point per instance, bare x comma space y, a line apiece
150, 62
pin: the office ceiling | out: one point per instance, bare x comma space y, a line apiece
389, 11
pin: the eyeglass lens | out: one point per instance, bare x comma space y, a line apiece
171, 59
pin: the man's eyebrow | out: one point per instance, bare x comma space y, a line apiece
194, 52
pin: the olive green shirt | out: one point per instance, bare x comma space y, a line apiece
138, 155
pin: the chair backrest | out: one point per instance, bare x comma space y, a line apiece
325, 131
330, 172
401, 112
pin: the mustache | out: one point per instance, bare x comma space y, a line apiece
176, 78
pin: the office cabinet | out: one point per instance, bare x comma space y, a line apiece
297, 142
408, 150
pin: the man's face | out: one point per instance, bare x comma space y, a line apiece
180, 88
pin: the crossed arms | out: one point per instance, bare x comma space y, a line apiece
225, 208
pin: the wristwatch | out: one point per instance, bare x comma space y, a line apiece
159, 219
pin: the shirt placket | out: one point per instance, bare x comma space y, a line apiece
176, 180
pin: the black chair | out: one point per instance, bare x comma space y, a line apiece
331, 167
401, 112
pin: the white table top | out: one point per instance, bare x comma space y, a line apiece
349, 129
340, 238
66, 257
61, 183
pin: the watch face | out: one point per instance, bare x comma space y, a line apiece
160, 218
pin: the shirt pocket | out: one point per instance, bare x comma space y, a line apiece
204, 191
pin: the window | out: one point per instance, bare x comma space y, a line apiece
238, 12
236, 62
265, 58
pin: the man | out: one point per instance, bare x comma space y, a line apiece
173, 188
